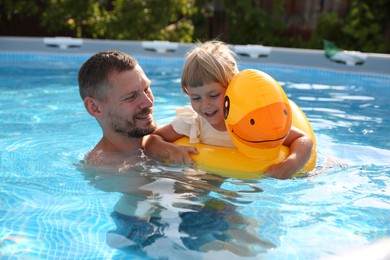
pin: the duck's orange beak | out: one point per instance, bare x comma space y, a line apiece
264, 127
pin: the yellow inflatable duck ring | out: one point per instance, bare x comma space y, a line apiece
258, 116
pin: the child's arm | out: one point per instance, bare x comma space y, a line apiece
300, 145
159, 145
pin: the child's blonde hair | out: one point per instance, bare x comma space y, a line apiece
212, 61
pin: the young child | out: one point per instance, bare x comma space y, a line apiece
207, 72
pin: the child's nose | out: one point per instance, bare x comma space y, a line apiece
207, 103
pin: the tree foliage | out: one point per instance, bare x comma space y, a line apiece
252, 24
114, 19
365, 27
150, 20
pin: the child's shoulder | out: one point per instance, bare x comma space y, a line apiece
186, 111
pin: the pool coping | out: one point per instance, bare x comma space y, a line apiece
375, 63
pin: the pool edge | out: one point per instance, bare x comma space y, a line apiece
375, 63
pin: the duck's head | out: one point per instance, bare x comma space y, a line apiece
257, 114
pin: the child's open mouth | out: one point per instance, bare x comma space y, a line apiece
210, 114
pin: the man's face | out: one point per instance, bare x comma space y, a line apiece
129, 106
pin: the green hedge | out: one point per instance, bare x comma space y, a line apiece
366, 26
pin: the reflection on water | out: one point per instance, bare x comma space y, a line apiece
48, 210
189, 208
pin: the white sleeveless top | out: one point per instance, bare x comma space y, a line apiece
190, 124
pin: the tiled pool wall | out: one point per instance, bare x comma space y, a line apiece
281, 72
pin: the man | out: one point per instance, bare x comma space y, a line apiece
116, 91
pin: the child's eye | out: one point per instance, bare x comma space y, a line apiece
214, 95
195, 98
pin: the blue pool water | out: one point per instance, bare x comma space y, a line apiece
52, 207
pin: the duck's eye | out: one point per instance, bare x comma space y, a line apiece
252, 121
226, 107
285, 111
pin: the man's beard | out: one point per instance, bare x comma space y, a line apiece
126, 127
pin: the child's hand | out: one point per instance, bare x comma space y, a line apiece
300, 145
158, 148
180, 154
283, 170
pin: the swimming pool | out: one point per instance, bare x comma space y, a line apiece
50, 207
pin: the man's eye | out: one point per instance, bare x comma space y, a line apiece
129, 98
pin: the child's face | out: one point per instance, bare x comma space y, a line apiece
207, 101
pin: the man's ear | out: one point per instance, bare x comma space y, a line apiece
93, 108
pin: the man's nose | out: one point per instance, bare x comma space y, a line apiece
147, 100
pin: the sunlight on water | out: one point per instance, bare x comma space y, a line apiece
52, 206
